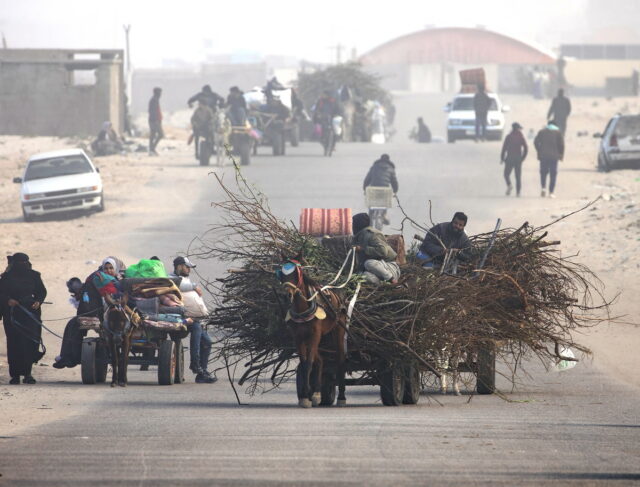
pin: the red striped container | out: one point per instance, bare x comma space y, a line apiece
319, 222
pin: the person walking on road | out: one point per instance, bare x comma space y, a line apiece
549, 144
514, 152
481, 105
155, 121
21, 294
559, 111
382, 174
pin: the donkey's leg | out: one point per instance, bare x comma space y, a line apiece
314, 363
455, 373
340, 334
113, 348
124, 360
196, 141
303, 396
316, 397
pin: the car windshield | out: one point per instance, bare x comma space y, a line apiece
57, 166
628, 126
466, 103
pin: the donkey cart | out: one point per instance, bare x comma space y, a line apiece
156, 341
151, 345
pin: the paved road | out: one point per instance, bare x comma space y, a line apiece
578, 427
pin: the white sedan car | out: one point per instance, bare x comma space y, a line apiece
461, 122
60, 181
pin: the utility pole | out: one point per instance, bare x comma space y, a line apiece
338, 48
128, 76
127, 28
4, 41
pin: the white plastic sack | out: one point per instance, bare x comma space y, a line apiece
565, 364
337, 125
378, 138
194, 306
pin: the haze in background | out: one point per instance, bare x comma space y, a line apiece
193, 31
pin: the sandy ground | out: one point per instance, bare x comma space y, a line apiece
606, 236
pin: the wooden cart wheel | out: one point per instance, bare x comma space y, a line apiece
412, 385
88, 365
486, 378
179, 373
392, 385
167, 361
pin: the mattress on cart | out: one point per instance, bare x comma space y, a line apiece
163, 325
88, 323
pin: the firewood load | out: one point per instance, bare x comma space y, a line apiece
527, 299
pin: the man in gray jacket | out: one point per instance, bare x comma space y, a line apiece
375, 258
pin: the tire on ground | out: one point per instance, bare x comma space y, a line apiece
167, 361
392, 385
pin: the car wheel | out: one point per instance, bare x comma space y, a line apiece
101, 205
451, 139
26, 217
603, 163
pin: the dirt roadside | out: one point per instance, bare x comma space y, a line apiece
606, 236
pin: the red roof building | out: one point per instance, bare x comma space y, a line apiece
428, 60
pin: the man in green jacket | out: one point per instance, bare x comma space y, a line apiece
375, 259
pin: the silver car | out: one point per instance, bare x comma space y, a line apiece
620, 144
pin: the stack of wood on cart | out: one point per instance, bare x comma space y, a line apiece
527, 298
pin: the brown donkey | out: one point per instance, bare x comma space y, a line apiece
118, 327
312, 315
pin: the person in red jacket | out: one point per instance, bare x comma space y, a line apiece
514, 152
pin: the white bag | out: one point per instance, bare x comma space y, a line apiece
565, 364
194, 306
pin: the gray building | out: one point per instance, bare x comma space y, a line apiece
60, 92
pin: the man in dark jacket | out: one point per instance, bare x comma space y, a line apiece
382, 174
514, 152
549, 144
237, 106
423, 134
443, 237
559, 111
21, 294
375, 258
481, 105
207, 97
155, 121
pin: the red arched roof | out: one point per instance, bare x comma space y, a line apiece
456, 45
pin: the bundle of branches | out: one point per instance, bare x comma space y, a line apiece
526, 297
364, 86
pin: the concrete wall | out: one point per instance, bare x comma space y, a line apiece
593, 73
38, 95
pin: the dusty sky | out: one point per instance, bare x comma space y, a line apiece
191, 29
